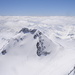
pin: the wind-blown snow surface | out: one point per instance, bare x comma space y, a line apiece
30, 53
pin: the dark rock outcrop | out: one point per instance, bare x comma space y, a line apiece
33, 31
26, 30
4, 52
40, 45
37, 34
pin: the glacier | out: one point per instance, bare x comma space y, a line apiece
32, 45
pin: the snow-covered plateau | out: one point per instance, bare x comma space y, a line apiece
31, 45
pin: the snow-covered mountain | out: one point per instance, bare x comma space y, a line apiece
37, 45
29, 42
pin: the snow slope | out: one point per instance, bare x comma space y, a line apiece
37, 45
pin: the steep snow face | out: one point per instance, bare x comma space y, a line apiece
37, 45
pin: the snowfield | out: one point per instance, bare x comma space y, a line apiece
37, 45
